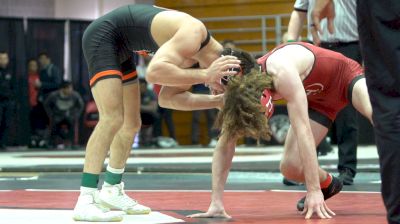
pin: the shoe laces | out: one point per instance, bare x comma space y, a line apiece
125, 199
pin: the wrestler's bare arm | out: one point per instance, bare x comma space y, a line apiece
166, 66
289, 85
221, 164
179, 98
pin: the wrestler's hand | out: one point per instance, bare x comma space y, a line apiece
213, 212
215, 88
221, 67
315, 203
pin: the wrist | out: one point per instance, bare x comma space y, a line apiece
218, 100
313, 188
203, 75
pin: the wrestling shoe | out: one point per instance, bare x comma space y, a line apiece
333, 188
87, 209
288, 182
114, 197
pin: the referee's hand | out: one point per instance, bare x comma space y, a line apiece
323, 9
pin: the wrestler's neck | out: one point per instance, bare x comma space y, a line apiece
208, 53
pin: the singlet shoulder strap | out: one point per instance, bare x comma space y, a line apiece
206, 41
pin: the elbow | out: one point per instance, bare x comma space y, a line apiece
164, 99
153, 72
164, 102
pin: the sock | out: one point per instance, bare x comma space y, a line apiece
87, 190
113, 175
90, 180
325, 184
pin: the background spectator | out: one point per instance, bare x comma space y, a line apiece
50, 78
6, 98
35, 109
64, 108
33, 82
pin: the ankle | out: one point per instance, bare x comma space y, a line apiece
328, 180
87, 190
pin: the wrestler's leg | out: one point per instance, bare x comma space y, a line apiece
291, 165
123, 140
112, 194
360, 99
107, 94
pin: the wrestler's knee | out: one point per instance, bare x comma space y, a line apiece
130, 128
111, 122
291, 169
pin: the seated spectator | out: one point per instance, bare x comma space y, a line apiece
148, 113
64, 108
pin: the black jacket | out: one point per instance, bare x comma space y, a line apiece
51, 78
6, 85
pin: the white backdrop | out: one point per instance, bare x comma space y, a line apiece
71, 9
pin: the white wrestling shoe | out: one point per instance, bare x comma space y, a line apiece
88, 209
114, 197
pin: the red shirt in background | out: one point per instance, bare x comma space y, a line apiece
157, 89
33, 90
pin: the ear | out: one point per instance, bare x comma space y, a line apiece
266, 101
226, 51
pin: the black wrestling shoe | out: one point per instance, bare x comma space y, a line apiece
334, 188
346, 176
288, 182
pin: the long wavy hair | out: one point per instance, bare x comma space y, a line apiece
243, 114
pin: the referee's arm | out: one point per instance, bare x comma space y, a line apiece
296, 22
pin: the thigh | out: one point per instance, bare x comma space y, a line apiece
108, 95
129, 73
101, 50
360, 99
291, 149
